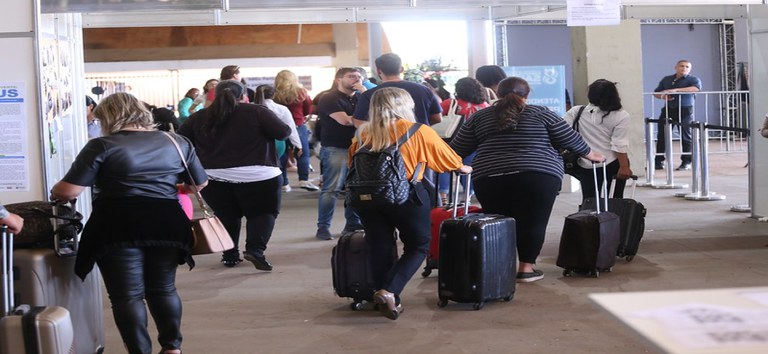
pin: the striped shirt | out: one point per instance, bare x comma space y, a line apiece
531, 147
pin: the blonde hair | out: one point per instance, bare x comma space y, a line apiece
287, 88
123, 110
387, 106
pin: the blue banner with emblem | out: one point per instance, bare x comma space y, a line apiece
547, 85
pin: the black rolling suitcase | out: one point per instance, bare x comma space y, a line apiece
25, 329
632, 219
590, 240
478, 254
352, 274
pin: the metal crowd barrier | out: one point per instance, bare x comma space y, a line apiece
699, 158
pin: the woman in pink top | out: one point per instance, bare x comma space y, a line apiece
470, 98
290, 93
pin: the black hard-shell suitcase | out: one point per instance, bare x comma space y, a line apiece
31, 330
352, 274
46, 279
589, 241
478, 254
632, 219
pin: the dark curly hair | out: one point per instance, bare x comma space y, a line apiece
604, 94
490, 75
470, 90
512, 93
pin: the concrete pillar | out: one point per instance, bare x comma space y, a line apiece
479, 45
18, 31
46, 61
345, 39
758, 85
375, 45
613, 53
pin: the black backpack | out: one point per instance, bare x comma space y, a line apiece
379, 179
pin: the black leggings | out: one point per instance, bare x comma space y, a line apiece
132, 275
526, 196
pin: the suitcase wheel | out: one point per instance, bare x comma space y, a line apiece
478, 305
442, 302
568, 273
594, 273
427, 271
507, 298
629, 258
356, 306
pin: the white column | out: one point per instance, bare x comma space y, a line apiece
480, 48
758, 59
19, 64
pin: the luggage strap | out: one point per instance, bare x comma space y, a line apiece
30, 330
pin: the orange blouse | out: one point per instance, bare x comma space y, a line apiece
424, 146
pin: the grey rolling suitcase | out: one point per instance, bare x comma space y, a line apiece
477, 258
46, 279
36, 330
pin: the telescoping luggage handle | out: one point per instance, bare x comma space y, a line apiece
597, 189
455, 191
7, 270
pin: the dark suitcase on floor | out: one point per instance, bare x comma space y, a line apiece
352, 274
589, 241
440, 214
45, 279
478, 254
41, 330
632, 219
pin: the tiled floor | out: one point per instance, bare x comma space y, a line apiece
687, 245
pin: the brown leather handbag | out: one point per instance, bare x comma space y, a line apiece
209, 234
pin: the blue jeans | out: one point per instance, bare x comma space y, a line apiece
333, 164
302, 162
445, 178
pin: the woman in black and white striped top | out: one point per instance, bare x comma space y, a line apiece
517, 170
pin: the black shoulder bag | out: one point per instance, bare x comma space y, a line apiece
570, 159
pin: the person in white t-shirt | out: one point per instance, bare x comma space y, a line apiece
604, 125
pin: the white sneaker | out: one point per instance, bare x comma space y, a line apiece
286, 188
308, 186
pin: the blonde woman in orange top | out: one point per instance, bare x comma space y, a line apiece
391, 115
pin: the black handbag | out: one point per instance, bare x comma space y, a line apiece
571, 159
48, 225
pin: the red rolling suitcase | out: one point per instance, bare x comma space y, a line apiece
590, 240
437, 216
632, 219
478, 254
41, 330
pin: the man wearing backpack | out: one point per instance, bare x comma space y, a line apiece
335, 110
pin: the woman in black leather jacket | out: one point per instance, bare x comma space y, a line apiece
137, 233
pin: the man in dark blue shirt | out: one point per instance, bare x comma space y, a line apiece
677, 90
335, 109
389, 67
